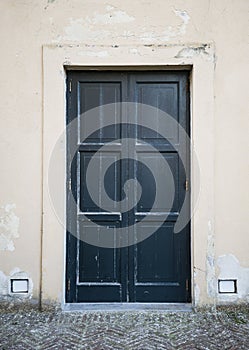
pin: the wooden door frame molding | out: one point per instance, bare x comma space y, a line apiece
59, 58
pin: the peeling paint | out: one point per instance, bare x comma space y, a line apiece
111, 17
210, 263
230, 268
171, 31
84, 29
190, 52
80, 30
196, 290
48, 3
185, 19
9, 227
3, 284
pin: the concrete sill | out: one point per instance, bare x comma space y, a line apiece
163, 307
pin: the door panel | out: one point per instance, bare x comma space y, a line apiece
163, 96
97, 94
154, 161
112, 186
98, 265
152, 260
158, 268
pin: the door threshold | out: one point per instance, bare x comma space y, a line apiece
164, 307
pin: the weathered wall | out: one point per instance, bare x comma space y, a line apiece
26, 26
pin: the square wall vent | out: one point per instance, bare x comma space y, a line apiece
19, 285
227, 286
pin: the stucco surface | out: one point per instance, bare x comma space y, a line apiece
99, 27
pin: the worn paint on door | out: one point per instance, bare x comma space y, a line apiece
158, 268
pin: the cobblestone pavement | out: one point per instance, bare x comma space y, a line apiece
227, 328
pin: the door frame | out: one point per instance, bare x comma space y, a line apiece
58, 59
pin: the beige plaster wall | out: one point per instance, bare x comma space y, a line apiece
134, 26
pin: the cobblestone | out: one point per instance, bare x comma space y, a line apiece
226, 328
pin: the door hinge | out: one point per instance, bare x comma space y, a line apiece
68, 285
70, 85
69, 185
187, 185
187, 285
187, 86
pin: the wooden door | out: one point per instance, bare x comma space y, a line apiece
156, 269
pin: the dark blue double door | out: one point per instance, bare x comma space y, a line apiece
157, 269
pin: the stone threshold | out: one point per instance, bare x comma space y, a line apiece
162, 307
